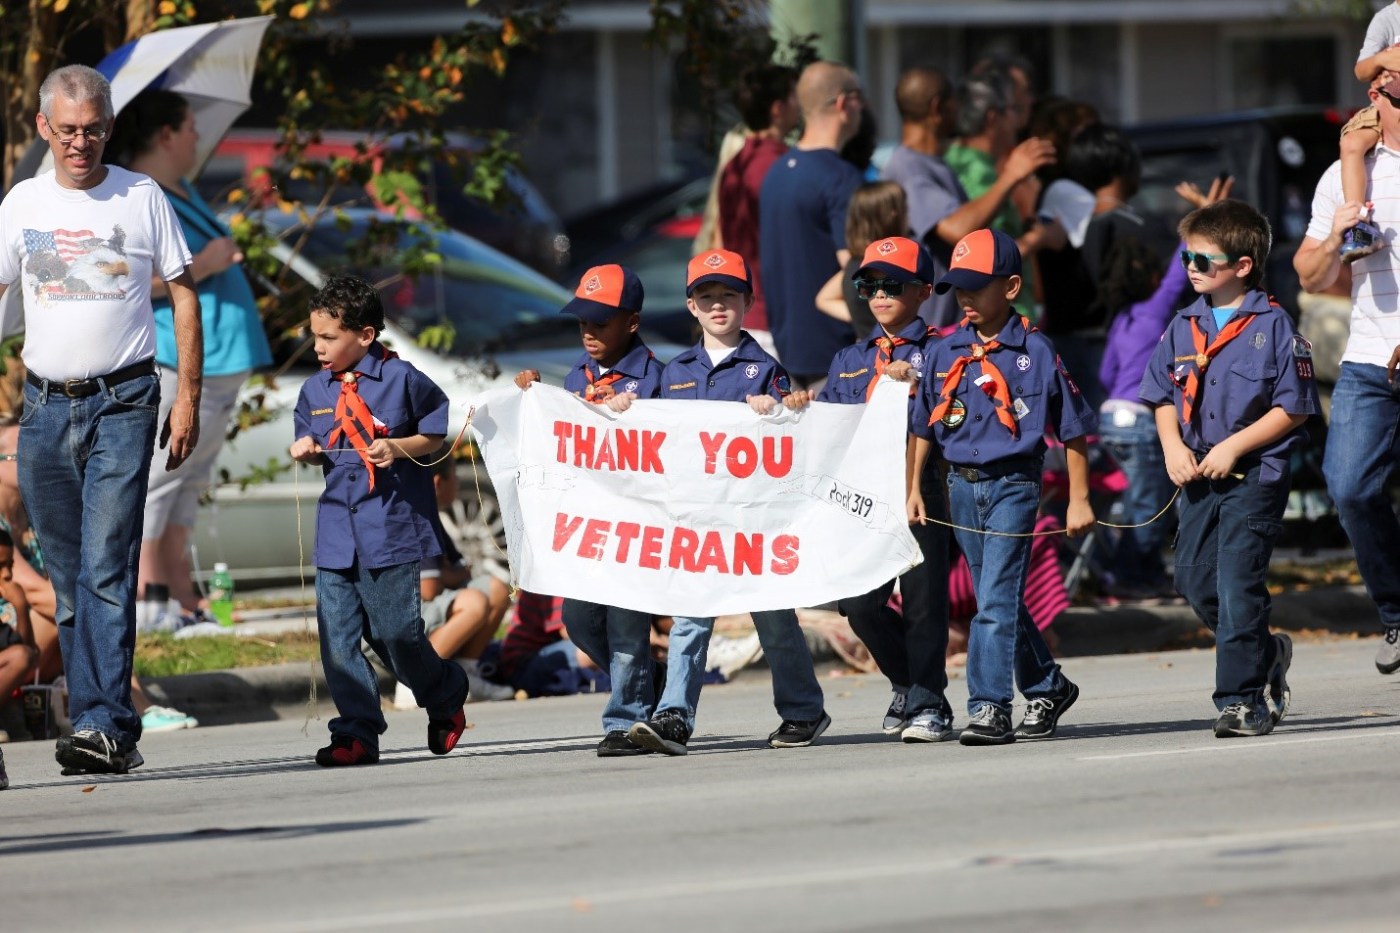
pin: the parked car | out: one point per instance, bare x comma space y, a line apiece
505, 317
526, 228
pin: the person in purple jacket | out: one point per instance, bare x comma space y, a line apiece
1140, 302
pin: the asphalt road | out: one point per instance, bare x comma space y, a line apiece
1136, 817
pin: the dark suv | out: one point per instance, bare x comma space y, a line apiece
1275, 156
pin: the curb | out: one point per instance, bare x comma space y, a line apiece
259, 694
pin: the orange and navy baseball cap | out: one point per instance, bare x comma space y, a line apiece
898, 258
978, 258
718, 265
603, 291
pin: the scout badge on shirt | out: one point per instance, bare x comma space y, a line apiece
751, 370
1302, 356
1023, 363
1018, 406
956, 414
1069, 380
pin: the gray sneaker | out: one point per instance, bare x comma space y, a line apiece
895, 720
88, 751
1388, 656
1279, 694
1244, 719
927, 726
988, 726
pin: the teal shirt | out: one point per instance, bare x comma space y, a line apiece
978, 172
234, 340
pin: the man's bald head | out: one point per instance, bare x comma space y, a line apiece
820, 84
916, 92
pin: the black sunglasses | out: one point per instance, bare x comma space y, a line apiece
1201, 261
866, 288
1394, 101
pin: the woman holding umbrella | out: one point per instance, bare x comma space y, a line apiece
155, 135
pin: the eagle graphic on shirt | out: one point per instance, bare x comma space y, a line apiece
75, 265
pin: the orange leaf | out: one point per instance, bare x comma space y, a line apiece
90, 788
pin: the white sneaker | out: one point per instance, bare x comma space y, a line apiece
731, 655
481, 690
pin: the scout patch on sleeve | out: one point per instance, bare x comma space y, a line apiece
1301, 348
1069, 380
783, 384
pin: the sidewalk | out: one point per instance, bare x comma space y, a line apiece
258, 694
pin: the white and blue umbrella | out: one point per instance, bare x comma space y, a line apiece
211, 65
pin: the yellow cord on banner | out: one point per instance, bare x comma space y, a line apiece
1054, 531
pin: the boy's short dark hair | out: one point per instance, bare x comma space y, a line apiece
1099, 153
351, 300
759, 88
1236, 228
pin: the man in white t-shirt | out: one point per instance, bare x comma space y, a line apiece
81, 243
1363, 445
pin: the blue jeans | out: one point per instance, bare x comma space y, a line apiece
796, 693
1131, 437
83, 467
912, 651
619, 641
380, 606
1004, 650
1228, 530
1363, 448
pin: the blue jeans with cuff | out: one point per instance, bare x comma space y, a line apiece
380, 606
619, 641
1227, 535
1363, 449
1005, 650
1129, 432
83, 465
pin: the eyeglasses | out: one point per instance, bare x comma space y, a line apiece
65, 135
1201, 261
853, 92
866, 288
1394, 101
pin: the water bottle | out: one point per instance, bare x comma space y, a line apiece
221, 595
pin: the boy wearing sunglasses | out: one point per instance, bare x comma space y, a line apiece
728, 365
990, 392
895, 278
1232, 384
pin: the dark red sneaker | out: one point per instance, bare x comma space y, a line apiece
444, 734
345, 750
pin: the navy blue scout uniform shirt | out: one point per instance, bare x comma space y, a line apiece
1042, 396
393, 524
1267, 365
853, 368
641, 373
749, 370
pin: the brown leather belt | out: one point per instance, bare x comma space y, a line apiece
82, 388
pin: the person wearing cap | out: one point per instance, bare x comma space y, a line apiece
1362, 456
728, 365
615, 361
990, 391
1232, 384
895, 278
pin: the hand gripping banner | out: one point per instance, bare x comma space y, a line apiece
699, 508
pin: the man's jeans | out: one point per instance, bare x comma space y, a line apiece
1005, 650
1130, 435
796, 693
1363, 447
83, 467
618, 641
1228, 530
912, 651
382, 607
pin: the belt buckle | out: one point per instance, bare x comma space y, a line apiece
969, 473
70, 387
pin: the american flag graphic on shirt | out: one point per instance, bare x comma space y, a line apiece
69, 244
74, 265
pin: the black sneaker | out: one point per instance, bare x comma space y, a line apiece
1388, 657
988, 726
796, 733
88, 751
4, 778
1243, 719
895, 720
665, 732
1279, 694
616, 745
1043, 713
346, 751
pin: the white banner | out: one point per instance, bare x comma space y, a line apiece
699, 508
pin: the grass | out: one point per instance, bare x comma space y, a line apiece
162, 655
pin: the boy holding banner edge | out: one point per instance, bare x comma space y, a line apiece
895, 279
608, 305
729, 365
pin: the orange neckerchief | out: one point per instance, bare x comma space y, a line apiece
884, 355
353, 421
1001, 393
600, 388
1204, 354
